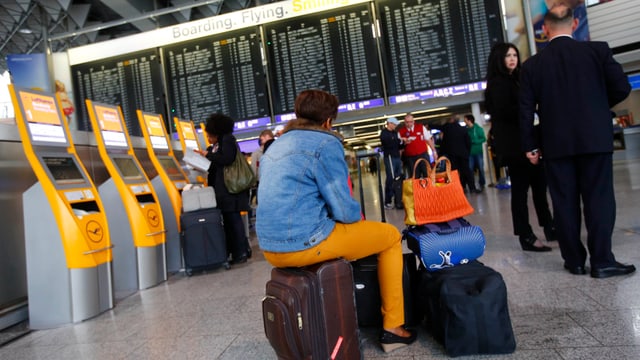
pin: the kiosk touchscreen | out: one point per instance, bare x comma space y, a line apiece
67, 240
132, 206
168, 183
189, 140
188, 134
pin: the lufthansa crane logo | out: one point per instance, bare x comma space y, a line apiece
153, 218
94, 230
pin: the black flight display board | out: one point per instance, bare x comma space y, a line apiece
220, 73
133, 81
334, 51
435, 43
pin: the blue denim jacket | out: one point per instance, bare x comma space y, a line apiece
303, 191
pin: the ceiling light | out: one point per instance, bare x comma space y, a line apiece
25, 31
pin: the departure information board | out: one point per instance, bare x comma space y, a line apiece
334, 51
222, 73
437, 43
133, 81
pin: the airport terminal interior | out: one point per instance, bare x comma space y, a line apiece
128, 295
217, 314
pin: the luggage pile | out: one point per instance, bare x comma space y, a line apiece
202, 235
463, 301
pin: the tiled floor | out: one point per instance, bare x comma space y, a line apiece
217, 315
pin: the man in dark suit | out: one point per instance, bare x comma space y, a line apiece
572, 85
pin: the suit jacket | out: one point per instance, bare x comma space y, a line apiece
455, 140
573, 85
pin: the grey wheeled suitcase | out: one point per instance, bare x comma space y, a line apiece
203, 242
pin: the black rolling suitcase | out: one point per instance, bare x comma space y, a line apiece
309, 312
202, 239
365, 275
367, 290
466, 309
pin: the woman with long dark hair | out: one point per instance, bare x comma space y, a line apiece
221, 153
501, 102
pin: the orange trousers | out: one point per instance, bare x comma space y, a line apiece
356, 241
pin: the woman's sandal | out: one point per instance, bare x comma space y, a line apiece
391, 341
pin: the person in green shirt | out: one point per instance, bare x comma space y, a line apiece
476, 157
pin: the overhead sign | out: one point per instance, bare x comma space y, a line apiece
204, 27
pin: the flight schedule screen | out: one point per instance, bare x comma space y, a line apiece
434, 43
221, 73
334, 51
133, 81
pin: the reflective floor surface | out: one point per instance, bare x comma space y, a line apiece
217, 315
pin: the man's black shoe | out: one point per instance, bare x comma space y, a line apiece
576, 270
614, 270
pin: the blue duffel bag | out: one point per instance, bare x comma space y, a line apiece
445, 244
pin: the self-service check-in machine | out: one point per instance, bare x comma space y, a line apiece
67, 240
168, 184
133, 210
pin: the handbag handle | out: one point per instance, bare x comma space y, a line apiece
415, 166
447, 172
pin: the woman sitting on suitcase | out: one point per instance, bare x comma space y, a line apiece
307, 215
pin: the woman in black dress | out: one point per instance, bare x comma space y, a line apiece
501, 102
221, 153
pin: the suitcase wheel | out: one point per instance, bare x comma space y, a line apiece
189, 272
227, 266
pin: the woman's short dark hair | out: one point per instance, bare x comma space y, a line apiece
219, 124
495, 64
316, 106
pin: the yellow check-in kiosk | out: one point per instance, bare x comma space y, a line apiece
133, 210
190, 141
168, 183
67, 240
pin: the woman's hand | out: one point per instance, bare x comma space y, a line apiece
201, 152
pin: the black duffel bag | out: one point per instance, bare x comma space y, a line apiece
466, 309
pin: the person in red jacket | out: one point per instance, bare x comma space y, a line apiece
418, 140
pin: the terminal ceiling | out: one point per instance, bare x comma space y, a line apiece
27, 25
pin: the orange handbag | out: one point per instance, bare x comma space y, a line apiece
437, 198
